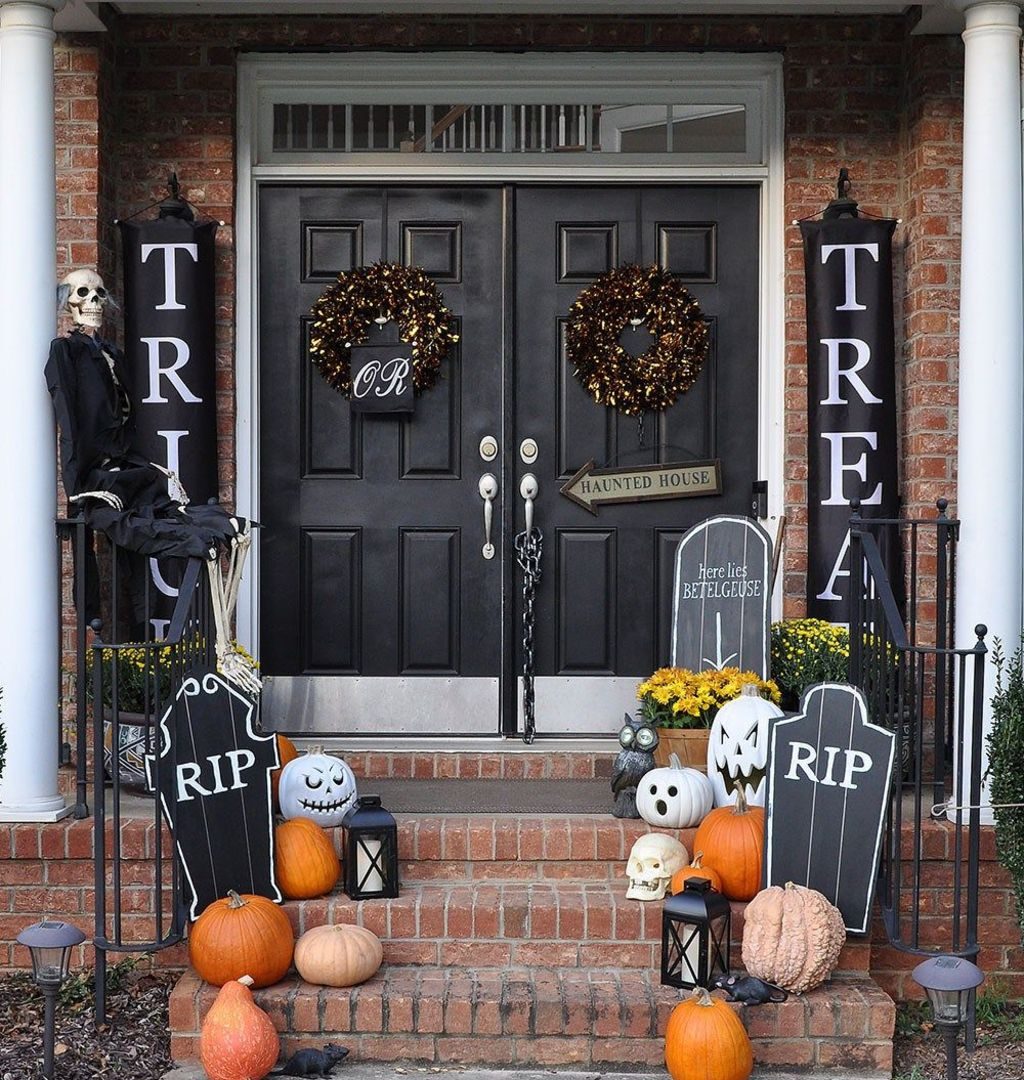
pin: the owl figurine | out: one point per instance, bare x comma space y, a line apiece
636, 758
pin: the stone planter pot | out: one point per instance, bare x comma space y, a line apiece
691, 745
132, 729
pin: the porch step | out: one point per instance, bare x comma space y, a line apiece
485, 924
547, 1016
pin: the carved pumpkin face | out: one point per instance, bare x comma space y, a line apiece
738, 749
320, 787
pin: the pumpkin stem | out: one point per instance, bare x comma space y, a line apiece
234, 900
247, 980
702, 997
674, 762
696, 864
741, 800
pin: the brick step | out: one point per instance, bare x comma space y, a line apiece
520, 763
545, 1016
495, 924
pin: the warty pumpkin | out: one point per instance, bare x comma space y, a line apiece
792, 937
286, 751
705, 1040
696, 869
241, 935
341, 955
305, 862
732, 839
238, 1041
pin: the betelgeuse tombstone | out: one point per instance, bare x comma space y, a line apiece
382, 378
720, 600
214, 779
829, 776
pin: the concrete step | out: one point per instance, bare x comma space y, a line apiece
600, 1018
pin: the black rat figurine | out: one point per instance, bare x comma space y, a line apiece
313, 1062
749, 990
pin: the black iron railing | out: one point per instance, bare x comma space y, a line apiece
140, 911
932, 695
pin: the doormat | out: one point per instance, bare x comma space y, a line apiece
492, 796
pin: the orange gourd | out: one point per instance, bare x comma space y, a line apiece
286, 751
305, 862
238, 1040
241, 935
339, 955
696, 869
732, 839
705, 1040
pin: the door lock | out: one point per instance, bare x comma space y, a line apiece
528, 451
488, 448
488, 488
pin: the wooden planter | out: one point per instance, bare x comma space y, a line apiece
691, 744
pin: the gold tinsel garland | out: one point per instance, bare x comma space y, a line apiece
349, 307
652, 381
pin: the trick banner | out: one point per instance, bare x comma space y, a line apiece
851, 399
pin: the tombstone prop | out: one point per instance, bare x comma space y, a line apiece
721, 596
829, 777
214, 784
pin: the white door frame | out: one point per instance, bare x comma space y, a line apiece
476, 76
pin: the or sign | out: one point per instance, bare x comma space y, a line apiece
851, 399
720, 601
214, 783
382, 378
829, 776
592, 487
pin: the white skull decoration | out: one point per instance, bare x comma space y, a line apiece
738, 747
87, 297
320, 787
652, 862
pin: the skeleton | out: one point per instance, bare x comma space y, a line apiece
84, 295
652, 862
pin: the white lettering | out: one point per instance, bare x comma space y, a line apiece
394, 374
849, 269
170, 271
853, 757
802, 761
237, 768
159, 628
830, 753
829, 592
837, 441
158, 579
172, 457
835, 372
189, 781
181, 358
214, 761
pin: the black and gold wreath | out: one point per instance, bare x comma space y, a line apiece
635, 295
372, 295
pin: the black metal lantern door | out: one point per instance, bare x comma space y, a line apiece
695, 929
371, 851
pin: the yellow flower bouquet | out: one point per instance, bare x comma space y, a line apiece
680, 698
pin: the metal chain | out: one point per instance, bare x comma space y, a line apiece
529, 545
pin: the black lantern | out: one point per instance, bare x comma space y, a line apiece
371, 850
695, 927
50, 943
949, 982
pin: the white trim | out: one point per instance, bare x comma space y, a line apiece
541, 73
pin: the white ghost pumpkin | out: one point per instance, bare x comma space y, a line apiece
738, 747
674, 797
320, 787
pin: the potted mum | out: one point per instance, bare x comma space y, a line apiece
805, 652
681, 704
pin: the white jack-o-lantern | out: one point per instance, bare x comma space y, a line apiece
674, 797
738, 747
652, 862
320, 787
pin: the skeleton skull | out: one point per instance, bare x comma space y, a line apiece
86, 297
652, 862
738, 748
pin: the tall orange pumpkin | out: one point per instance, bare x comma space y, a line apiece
241, 935
238, 1040
732, 839
286, 751
305, 862
705, 1040
696, 869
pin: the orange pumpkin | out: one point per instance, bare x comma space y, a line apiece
732, 839
705, 1040
698, 870
241, 935
238, 1040
305, 862
286, 751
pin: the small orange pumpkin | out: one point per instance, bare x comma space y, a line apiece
705, 1040
696, 869
305, 862
732, 839
238, 1041
340, 955
286, 751
241, 935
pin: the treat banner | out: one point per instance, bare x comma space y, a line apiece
851, 399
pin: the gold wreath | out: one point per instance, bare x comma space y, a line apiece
653, 380
348, 308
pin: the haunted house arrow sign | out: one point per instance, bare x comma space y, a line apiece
829, 776
213, 776
720, 602
592, 487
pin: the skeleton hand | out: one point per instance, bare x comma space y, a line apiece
108, 497
236, 668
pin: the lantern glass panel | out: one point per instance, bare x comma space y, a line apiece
371, 870
49, 965
949, 1006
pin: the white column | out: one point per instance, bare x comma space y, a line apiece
991, 392
28, 553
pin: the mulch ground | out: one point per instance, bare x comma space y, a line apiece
920, 1050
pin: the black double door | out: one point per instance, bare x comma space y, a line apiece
379, 610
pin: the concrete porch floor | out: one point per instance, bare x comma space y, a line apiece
399, 1071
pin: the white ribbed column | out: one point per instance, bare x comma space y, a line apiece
28, 553
991, 398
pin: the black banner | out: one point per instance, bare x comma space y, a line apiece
851, 398
169, 330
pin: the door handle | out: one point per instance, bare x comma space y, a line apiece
528, 488
488, 488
